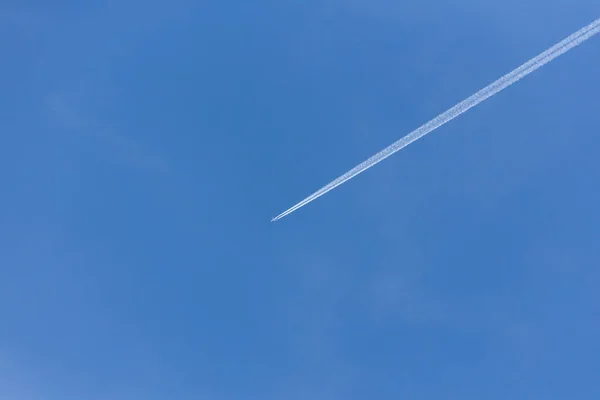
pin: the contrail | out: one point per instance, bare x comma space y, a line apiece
553, 52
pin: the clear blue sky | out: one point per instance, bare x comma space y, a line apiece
145, 145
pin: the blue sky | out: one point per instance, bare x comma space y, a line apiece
144, 147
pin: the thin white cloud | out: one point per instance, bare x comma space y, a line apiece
119, 145
502, 83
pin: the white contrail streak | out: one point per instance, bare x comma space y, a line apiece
553, 52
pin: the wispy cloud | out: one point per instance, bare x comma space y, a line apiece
115, 144
13, 18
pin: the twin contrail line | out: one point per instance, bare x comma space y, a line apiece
553, 52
